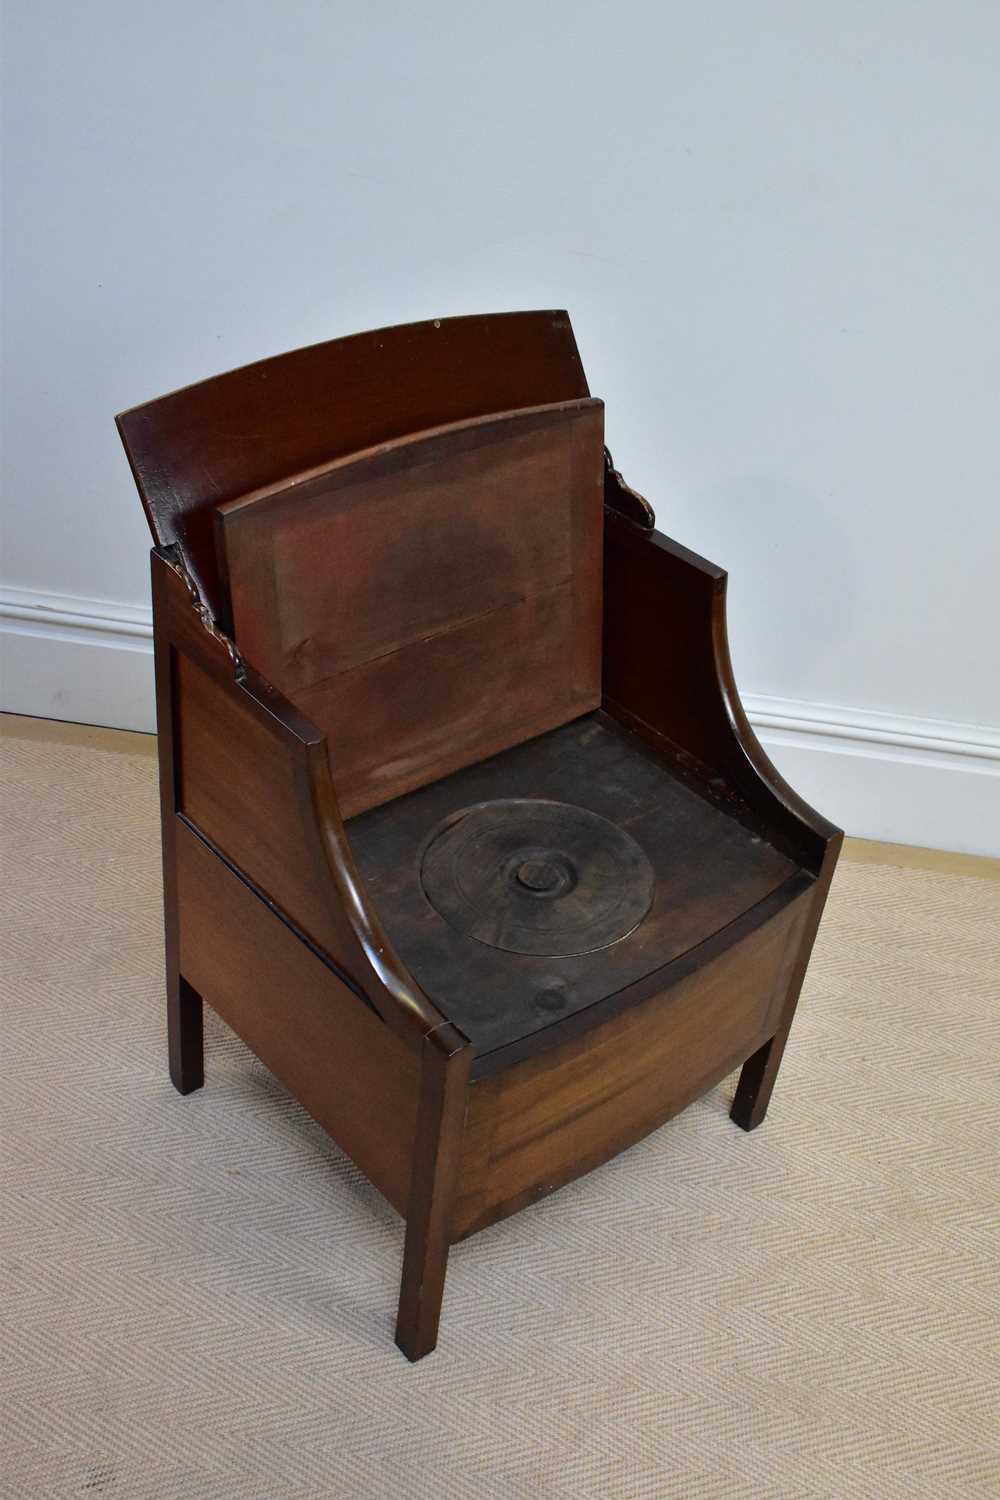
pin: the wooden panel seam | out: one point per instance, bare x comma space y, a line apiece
303, 1022
272, 906
508, 607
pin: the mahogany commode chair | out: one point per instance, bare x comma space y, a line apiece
464, 829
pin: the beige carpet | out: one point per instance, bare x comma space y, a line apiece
199, 1293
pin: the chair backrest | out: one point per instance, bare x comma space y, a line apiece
219, 439
431, 601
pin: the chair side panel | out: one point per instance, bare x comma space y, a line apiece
251, 775
553, 1117
349, 1070
245, 788
668, 676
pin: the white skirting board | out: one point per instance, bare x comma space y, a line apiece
879, 776
86, 660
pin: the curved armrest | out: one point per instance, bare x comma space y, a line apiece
251, 776
668, 676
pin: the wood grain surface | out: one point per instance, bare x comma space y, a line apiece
431, 602
197, 447
555, 1116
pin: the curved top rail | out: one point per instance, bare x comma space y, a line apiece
234, 433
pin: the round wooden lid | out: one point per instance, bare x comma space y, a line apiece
538, 877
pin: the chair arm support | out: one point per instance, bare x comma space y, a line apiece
249, 773
668, 675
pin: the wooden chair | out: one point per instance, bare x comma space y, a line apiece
465, 831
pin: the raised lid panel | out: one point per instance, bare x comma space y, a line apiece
254, 426
431, 602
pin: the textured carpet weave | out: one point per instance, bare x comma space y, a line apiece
198, 1294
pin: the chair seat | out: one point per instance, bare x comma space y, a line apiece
707, 867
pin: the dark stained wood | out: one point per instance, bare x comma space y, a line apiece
184, 1008
437, 1150
253, 775
435, 601
240, 786
708, 869
350, 1071
441, 595
336, 566
760, 1072
533, 876
545, 1121
185, 1036
443, 702
210, 442
668, 676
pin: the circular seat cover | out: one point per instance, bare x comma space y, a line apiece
532, 876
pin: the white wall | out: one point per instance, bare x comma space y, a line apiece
776, 227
